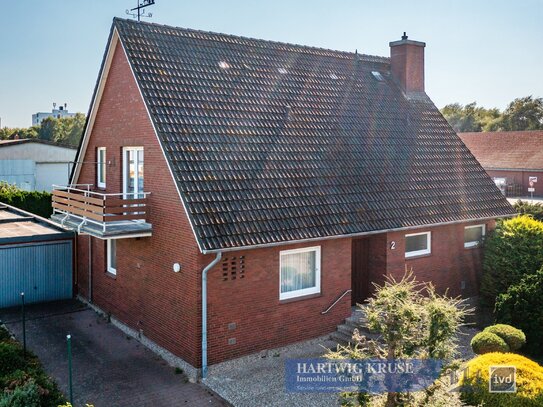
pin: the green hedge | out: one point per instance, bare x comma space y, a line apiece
526, 208
38, 203
513, 250
522, 306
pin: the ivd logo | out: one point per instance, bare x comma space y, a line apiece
502, 379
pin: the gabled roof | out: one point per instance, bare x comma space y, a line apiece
271, 142
507, 149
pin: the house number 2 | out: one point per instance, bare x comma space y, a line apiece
392, 245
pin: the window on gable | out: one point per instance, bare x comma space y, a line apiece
112, 256
101, 167
417, 244
473, 235
299, 272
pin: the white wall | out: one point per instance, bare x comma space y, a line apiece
48, 174
19, 172
35, 166
37, 152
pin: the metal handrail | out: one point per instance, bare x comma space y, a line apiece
70, 188
336, 301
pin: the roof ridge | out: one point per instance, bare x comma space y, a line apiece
308, 48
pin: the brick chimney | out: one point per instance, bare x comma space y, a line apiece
407, 64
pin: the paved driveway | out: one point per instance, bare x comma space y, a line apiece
109, 368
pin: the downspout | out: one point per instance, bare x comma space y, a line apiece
204, 313
90, 270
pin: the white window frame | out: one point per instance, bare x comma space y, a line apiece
125, 174
108, 255
99, 168
476, 243
306, 291
423, 252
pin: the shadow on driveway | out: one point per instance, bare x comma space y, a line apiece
110, 369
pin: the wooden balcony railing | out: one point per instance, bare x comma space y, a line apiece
98, 208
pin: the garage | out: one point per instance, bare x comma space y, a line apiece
36, 257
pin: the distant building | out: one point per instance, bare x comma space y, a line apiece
514, 159
59, 113
35, 165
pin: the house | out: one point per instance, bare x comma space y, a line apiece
35, 165
511, 158
36, 258
246, 192
59, 113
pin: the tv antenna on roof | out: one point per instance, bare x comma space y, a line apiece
140, 9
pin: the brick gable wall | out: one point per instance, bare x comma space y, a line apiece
146, 294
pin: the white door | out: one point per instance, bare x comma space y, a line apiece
133, 172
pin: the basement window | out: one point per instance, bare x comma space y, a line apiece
101, 167
300, 272
112, 256
473, 235
417, 244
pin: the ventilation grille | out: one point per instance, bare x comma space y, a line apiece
233, 268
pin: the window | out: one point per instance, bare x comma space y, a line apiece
101, 167
133, 172
112, 256
300, 272
417, 244
473, 235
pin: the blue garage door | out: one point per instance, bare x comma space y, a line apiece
43, 271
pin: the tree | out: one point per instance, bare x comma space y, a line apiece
66, 130
71, 130
413, 322
48, 129
470, 117
524, 114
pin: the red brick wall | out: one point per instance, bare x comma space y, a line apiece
146, 294
521, 178
262, 320
448, 264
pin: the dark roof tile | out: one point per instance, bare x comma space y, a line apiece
273, 142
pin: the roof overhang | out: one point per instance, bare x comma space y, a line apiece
352, 235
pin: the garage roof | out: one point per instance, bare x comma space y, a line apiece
18, 226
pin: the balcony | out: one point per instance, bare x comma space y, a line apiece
105, 216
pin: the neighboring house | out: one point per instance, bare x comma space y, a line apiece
59, 113
511, 158
262, 182
36, 257
35, 165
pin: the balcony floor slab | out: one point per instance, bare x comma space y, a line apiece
113, 230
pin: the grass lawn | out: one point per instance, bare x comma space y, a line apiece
23, 382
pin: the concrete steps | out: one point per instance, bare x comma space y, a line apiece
344, 332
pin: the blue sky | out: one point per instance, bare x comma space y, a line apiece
484, 51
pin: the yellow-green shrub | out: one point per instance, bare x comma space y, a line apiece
529, 381
485, 342
512, 336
